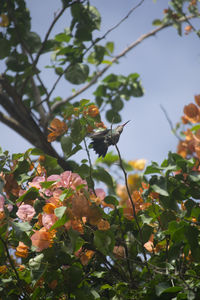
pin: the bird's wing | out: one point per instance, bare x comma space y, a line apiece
98, 134
99, 147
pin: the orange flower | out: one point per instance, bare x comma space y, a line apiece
119, 252
49, 208
21, 268
191, 112
3, 269
197, 99
134, 181
86, 256
57, 128
149, 245
41, 239
188, 29
100, 125
93, 110
103, 225
21, 250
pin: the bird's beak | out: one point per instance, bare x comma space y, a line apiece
125, 123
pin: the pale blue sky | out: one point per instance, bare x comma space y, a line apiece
169, 67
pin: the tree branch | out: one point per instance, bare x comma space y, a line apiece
114, 27
123, 53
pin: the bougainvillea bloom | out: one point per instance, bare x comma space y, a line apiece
57, 128
21, 250
26, 212
41, 239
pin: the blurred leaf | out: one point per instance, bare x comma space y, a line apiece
77, 73
102, 175
66, 144
59, 211
104, 241
32, 194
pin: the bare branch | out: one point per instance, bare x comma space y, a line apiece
115, 26
37, 99
16, 126
170, 122
123, 53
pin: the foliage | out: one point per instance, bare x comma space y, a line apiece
60, 236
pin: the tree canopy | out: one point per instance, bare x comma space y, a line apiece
136, 234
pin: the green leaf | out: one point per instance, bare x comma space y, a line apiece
160, 186
5, 47
62, 37
157, 22
60, 211
47, 184
117, 104
60, 222
37, 151
35, 263
24, 226
102, 175
66, 144
76, 242
104, 241
146, 232
33, 41
161, 287
77, 73
31, 194
110, 47
111, 200
113, 116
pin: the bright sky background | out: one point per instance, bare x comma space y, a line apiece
168, 66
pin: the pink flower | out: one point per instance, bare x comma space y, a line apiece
76, 180
8, 206
26, 212
41, 239
36, 182
66, 177
48, 220
2, 200
100, 193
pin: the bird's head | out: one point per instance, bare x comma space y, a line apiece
121, 127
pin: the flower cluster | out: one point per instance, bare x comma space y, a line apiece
69, 192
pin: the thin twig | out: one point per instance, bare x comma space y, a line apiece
133, 206
115, 59
90, 163
114, 27
170, 122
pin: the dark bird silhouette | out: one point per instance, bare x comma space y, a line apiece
101, 140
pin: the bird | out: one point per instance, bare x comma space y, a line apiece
101, 140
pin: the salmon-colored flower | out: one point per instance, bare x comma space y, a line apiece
57, 128
119, 252
149, 246
188, 29
92, 110
48, 220
21, 250
86, 256
103, 225
26, 212
3, 269
197, 99
41, 239
191, 112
